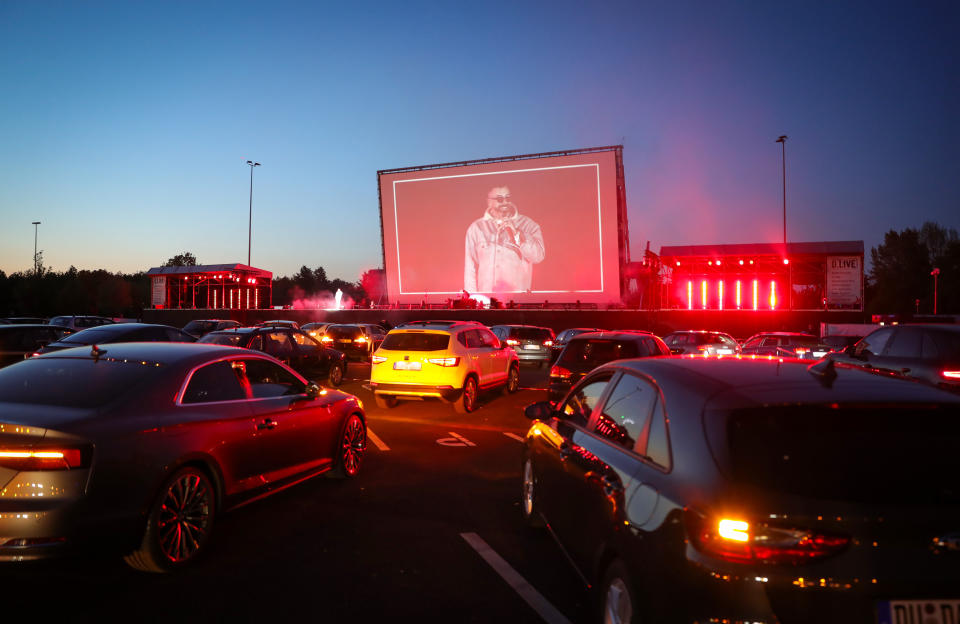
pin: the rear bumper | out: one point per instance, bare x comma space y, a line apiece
447, 393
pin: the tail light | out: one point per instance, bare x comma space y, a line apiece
449, 361
951, 374
360, 340
800, 351
44, 459
561, 372
548, 343
739, 541
326, 339
377, 359
512, 342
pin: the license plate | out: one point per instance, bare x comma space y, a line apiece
531, 347
945, 611
347, 341
403, 365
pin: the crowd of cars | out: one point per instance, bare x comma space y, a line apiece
772, 479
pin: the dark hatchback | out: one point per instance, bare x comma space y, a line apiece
564, 337
201, 327
721, 490
701, 342
120, 332
293, 347
586, 351
20, 341
356, 341
785, 344
930, 353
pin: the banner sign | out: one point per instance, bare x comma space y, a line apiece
158, 296
844, 281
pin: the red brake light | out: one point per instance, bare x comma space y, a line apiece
561, 372
377, 359
43, 459
360, 339
740, 542
548, 343
951, 374
512, 342
449, 361
326, 339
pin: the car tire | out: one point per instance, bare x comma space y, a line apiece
618, 600
467, 402
513, 379
350, 449
528, 496
336, 374
179, 523
385, 401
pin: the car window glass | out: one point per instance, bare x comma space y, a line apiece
302, 339
174, 335
770, 341
214, 382
488, 339
626, 411
906, 343
277, 344
474, 340
268, 379
256, 344
658, 445
874, 343
579, 405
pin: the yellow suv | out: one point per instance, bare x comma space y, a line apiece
450, 360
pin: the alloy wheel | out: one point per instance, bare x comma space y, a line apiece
352, 446
183, 522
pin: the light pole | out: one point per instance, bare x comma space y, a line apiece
935, 272
783, 142
35, 224
250, 222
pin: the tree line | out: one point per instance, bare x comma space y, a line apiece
46, 292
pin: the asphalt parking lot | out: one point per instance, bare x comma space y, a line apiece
431, 529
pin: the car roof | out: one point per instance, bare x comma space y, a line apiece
783, 333
247, 330
747, 381
158, 352
614, 334
698, 331
119, 328
438, 324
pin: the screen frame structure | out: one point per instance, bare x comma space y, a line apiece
612, 245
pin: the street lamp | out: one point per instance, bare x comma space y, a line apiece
935, 272
250, 222
783, 142
35, 224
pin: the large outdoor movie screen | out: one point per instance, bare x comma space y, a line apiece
527, 230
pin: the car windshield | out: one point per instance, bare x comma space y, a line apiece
896, 454
415, 341
89, 336
231, 340
69, 382
596, 352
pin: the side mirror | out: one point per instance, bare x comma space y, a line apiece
542, 410
313, 391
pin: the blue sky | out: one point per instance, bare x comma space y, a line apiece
125, 127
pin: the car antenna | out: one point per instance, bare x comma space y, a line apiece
825, 371
96, 352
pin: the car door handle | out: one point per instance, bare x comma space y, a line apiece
267, 423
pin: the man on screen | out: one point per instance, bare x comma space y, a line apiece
501, 247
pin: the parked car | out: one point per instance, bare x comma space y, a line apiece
293, 347
279, 323
80, 322
120, 332
316, 330
785, 344
18, 341
586, 351
839, 342
561, 340
701, 343
199, 328
137, 448
449, 360
531, 343
930, 353
357, 341
731, 490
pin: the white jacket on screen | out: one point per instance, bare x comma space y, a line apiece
500, 253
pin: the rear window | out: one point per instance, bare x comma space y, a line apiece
531, 333
897, 454
415, 341
90, 336
200, 326
344, 331
66, 382
596, 352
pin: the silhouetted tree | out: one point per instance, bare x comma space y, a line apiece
901, 266
184, 259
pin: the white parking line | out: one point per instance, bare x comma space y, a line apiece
377, 441
531, 596
513, 436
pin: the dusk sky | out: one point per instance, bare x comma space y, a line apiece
125, 126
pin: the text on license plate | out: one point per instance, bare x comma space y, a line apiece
404, 365
531, 347
919, 611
